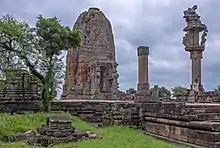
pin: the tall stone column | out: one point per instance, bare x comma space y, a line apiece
143, 84
193, 45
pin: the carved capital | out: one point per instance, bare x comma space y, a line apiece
189, 12
143, 50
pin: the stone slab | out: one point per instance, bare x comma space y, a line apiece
198, 137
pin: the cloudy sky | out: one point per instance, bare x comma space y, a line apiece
155, 23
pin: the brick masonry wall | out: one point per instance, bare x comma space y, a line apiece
113, 112
19, 106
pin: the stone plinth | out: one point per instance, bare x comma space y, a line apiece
141, 98
57, 129
59, 123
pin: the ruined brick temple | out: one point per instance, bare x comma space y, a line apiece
21, 94
21, 88
91, 71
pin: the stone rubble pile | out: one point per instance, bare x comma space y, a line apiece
58, 129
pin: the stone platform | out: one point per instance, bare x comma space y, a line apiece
194, 123
57, 129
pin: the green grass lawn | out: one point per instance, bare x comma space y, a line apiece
113, 137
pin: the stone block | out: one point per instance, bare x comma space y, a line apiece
143, 50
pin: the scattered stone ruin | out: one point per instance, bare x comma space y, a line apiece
21, 94
57, 129
92, 68
21, 88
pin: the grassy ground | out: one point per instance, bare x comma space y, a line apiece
113, 137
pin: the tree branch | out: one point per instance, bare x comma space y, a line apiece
23, 57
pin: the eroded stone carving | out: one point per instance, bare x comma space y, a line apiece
186, 40
203, 37
189, 12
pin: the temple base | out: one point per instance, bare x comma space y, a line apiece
143, 98
143, 88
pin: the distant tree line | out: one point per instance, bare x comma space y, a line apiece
177, 91
174, 92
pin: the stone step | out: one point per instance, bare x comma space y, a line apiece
203, 138
202, 105
203, 110
188, 117
208, 116
199, 125
180, 144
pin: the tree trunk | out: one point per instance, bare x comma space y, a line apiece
45, 98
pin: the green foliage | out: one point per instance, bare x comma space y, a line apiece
39, 49
113, 137
2, 84
179, 90
217, 89
9, 64
54, 37
7, 74
163, 92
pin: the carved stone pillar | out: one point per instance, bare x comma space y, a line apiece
143, 85
193, 44
143, 93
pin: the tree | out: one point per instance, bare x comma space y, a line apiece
179, 90
9, 66
217, 89
39, 49
161, 92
